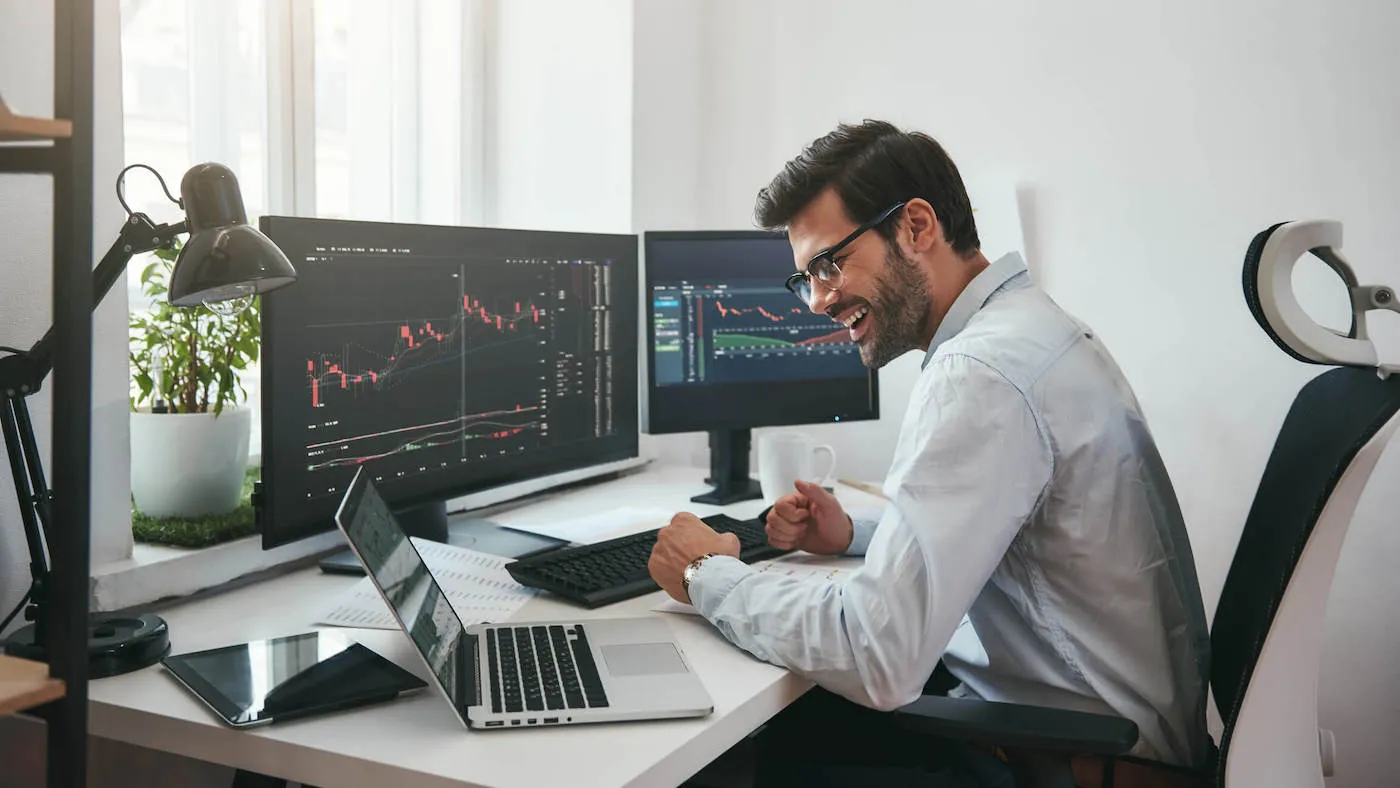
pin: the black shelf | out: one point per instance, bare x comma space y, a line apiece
30, 159
70, 541
70, 163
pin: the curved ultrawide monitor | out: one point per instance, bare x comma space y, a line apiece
729, 348
444, 360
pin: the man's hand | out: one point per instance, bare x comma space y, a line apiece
683, 541
810, 519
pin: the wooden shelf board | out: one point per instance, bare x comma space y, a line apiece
24, 684
18, 128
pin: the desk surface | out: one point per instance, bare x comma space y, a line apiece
418, 741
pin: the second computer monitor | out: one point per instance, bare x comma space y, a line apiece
730, 349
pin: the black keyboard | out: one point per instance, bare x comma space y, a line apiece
606, 572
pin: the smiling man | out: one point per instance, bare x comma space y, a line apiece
1032, 539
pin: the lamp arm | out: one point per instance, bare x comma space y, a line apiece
138, 236
22, 374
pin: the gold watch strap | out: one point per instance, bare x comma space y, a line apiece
690, 570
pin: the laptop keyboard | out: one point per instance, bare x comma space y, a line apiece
539, 668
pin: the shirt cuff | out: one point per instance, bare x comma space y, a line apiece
862, 531
713, 580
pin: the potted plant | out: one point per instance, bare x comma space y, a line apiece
189, 437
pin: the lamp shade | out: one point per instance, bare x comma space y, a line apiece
225, 257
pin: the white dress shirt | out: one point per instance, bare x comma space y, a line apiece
1032, 540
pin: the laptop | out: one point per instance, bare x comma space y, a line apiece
498, 676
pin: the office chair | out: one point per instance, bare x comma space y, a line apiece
1266, 637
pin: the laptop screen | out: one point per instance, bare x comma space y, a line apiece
397, 570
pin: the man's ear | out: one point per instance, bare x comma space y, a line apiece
920, 229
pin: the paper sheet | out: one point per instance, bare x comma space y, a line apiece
795, 569
476, 584
600, 526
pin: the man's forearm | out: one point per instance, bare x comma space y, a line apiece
844, 636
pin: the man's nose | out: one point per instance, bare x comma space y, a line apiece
822, 299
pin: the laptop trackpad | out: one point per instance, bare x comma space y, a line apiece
642, 659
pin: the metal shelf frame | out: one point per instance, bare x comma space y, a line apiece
69, 160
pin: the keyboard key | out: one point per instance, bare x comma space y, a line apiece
588, 670
529, 672
549, 671
568, 674
494, 672
509, 672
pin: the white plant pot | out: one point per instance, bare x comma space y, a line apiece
188, 464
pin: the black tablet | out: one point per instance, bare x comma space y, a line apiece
289, 677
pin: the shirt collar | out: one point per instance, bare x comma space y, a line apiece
973, 297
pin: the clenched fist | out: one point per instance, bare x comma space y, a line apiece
684, 540
810, 519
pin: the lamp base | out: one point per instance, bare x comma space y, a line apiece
117, 643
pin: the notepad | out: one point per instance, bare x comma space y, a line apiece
476, 584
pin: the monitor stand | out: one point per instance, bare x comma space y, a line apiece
729, 469
430, 521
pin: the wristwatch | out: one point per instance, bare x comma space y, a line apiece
689, 571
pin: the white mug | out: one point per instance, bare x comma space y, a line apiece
784, 457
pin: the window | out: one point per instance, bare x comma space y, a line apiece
388, 135
186, 104
363, 109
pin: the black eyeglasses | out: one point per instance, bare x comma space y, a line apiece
824, 267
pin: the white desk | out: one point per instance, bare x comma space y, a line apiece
418, 741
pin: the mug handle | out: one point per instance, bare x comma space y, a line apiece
825, 479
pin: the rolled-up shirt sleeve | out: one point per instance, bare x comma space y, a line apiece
970, 468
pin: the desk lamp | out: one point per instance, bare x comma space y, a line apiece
225, 261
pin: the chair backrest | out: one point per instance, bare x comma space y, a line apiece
1266, 639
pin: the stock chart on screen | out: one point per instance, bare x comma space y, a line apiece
437, 362
448, 361
744, 331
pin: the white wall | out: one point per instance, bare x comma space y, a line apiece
559, 115
26, 205
1150, 141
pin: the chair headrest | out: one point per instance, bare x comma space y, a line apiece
1268, 289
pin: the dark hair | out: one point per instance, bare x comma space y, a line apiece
873, 166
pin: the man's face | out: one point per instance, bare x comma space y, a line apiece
883, 297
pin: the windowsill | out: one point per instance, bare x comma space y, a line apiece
158, 572
155, 572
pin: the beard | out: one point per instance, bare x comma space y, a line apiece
901, 309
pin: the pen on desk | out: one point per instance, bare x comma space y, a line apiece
863, 487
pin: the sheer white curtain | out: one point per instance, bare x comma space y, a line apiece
393, 106
355, 109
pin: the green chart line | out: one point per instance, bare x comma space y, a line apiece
745, 340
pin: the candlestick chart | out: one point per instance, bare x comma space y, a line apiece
447, 363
